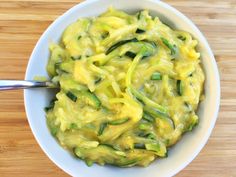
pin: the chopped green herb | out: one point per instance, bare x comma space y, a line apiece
156, 76
71, 96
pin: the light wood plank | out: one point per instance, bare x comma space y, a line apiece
21, 24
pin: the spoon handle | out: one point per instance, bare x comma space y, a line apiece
22, 84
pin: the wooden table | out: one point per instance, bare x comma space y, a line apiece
22, 23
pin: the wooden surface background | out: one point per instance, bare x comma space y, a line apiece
21, 24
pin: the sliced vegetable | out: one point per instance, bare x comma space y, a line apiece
104, 35
67, 83
73, 126
179, 87
120, 43
148, 49
140, 31
139, 15
130, 54
79, 37
152, 147
145, 126
182, 38
98, 80
51, 105
129, 163
155, 112
89, 163
160, 109
102, 128
172, 48
188, 107
109, 146
90, 98
154, 45
51, 124
139, 146
57, 65
159, 149
75, 58
65, 66
148, 117
192, 121
156, 76
119, 121
150, 135
59, 69
101, 154
71, 96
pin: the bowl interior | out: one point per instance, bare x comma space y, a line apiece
179, 155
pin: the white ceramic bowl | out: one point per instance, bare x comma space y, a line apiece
181, 154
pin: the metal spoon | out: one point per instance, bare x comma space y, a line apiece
23, 84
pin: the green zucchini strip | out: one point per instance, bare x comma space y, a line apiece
120, 43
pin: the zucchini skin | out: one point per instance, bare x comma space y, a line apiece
90, 98
71, 96
120, 43
172, 48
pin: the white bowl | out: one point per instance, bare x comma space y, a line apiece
181, 154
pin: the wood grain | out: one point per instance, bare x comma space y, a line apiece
22, 23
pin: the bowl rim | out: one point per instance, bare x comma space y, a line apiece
163, 5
